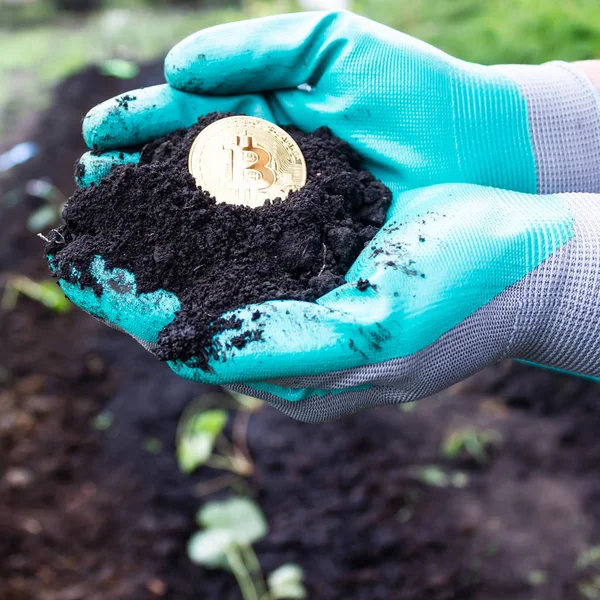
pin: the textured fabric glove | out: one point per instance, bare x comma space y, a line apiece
416, 115
460, 276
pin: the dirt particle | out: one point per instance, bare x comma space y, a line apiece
79, 171
123, 101
363, 285
239, 341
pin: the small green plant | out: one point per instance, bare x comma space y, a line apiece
470, 440
229, 528
286, 582
152, 445
407, 407
245, 403
536, 577
201, 441
589, 558
49, 213
119, 68
591, 588
436, 476
103, 421
45, 292
197, 435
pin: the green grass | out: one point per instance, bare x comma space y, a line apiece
34, 57
511, 31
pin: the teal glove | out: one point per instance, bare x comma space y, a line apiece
416, 115
461, 276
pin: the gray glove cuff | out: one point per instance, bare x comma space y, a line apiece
558, 321
564, 123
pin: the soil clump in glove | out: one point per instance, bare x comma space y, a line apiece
153, 220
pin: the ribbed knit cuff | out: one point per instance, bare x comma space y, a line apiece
564, 122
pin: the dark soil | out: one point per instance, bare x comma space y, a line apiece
95, 515
219, 256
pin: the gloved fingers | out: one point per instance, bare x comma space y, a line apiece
143, 115
257, 55
303, 107
445, 252
286, 339
93, 167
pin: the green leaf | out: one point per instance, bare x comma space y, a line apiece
152, 445
45, 292
117, 67
589, 557
193, 452
590, 589
40, 188
289, 591
209, 422
208, 548
241, 517
536, 577
53, 297
249, 403
453, 444
197, 439
472, 441
459, 479
103, 421
286, 582
43, 218
434, 476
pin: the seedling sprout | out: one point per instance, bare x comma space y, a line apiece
474, 442
45, 292
230, 527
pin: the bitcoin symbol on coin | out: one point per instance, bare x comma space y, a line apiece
250, 170
245, 160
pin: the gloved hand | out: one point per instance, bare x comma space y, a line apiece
416, 115
460, 276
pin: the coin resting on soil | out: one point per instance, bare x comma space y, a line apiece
245, 160
154, 221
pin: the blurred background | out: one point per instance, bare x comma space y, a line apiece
110, 464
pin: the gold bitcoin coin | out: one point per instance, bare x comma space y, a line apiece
245, 160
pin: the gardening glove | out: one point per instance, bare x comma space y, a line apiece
416, 115
459, 277
420, 117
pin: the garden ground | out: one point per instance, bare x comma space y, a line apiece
373, 506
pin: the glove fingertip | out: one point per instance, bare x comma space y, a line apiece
103, 125
189, 69
91, 168
90, 127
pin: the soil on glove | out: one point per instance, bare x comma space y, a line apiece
153, 220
